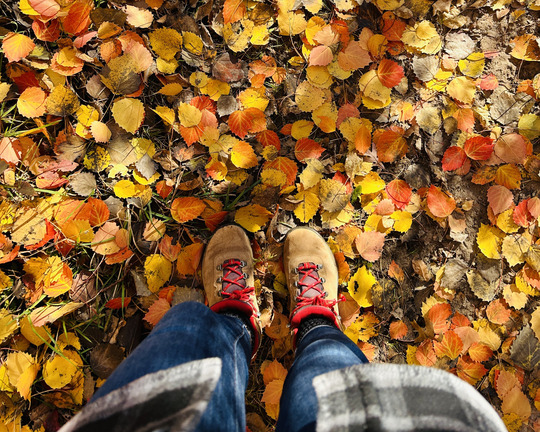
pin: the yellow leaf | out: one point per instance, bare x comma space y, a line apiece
189, 115
78, 230
360, 286
308, 206
462, 89
166, 66
252, 217
473, 65
308, 97
5, 281
59, 371
289, 21
51, 274
35, 335
192, 43
167, 114
62, 102
22, 370
171, 89
87, 114
389, 4
325, 117
529, 126
301, 129
166, 42
50, 313
215, 89
403, 221
273, 177
157, 270
489, 241
373, 90
371, 183
243, 156
128, 113
8, 324
312, 174
319, 76
97, 159
128, 189
254, 98
333, 195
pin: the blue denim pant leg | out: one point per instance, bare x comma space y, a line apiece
323, 349
191, 331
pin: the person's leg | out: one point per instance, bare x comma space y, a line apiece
323, 348
191, 331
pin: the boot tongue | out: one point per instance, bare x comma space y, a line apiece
309, 278
233, 278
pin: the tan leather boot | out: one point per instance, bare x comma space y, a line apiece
228, 280
312, 276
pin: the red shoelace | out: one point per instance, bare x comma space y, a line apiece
309, 279
234, 277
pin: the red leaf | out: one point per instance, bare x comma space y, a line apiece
345, 111
399, 192
390, 73
215, 220
454, 158
440, 204
118, 303
489, 82
307, 148
269, 137
438, 316
370, 245
186, 208
479, 148
500, 198
521, 214
47, 32
469, 370
191, 134
204, 103
157, 310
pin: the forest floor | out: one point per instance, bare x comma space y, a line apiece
405, 131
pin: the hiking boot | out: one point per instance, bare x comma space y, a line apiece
312, 276
227, 272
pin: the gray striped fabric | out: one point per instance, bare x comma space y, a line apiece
399, 398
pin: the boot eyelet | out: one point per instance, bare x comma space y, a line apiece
219, 267
325, 294
219, 279
319, 266
244, 275
295, 270
243, 263
296, 284
323, 280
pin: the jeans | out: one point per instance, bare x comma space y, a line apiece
191, 331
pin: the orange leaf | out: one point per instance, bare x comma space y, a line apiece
240, 122
10, 150
512, 148
390, 73
362, 139
465, 119
438, 316
479, 148
17, 46
307, 148
272, 392
99, 212
480, 352
274, 371
392, 27
398, 330
499, 198
390, 144
233, 10
454, 157
191, 134
215, 220
497, 312
157, 310
78, 17
189, 259
268, 137
399, 192
283, 164
396, 272
353, 57
320, 56
425, 354
167, 249
186, 208
450, 345
508, 176
489, 82
104, 242
243, 156
469, 370
370, 245
31, 102
46, 8
439, 203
